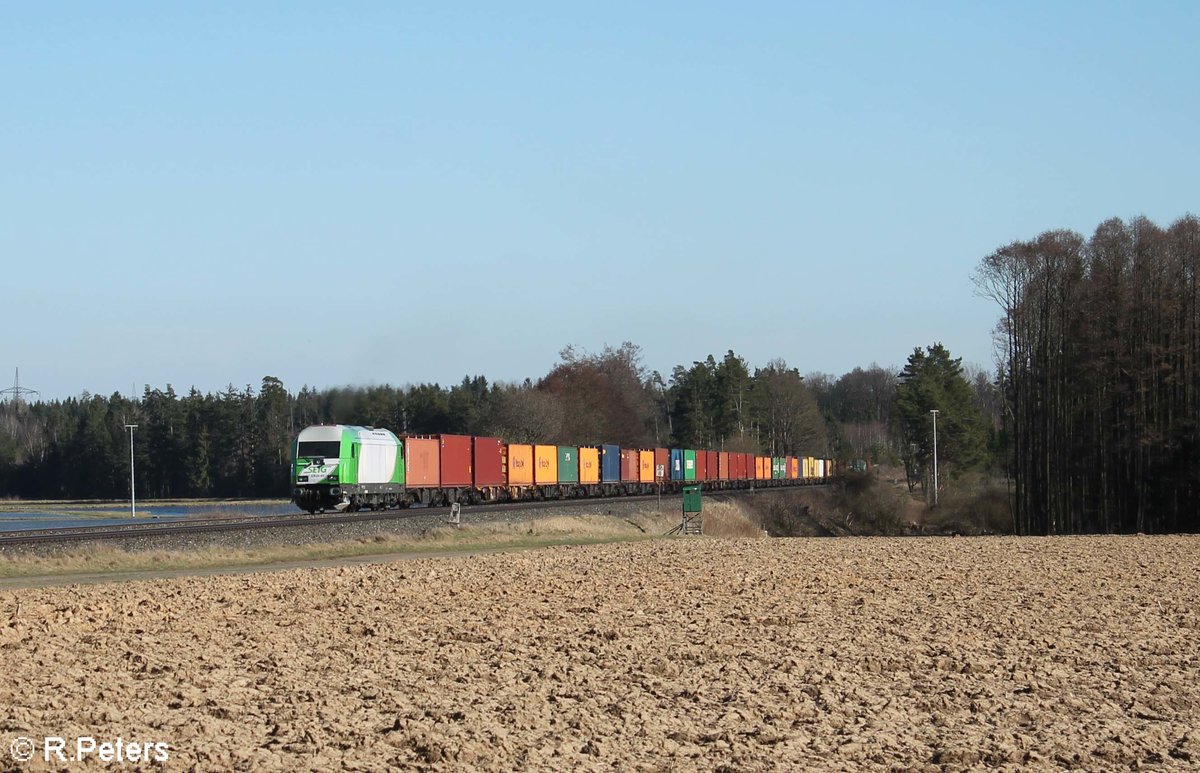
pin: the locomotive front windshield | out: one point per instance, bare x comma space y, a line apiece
319, 449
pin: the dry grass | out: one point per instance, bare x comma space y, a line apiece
725, 520
730, 520
574, 530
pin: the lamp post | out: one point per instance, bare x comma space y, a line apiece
132, 494
935, 469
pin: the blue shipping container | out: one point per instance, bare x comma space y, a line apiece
676, 464
610, 464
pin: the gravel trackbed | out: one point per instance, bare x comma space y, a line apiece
788, 654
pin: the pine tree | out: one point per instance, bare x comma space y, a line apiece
933, 380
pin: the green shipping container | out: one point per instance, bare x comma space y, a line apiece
778, 467
689, 465
568, 464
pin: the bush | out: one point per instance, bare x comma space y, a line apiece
790, 515
866, 507
973, 505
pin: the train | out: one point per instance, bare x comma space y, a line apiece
348, 468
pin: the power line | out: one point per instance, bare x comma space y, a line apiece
16, 392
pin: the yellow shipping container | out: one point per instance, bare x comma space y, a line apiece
520, 464
589, 465
545, 465
646, 466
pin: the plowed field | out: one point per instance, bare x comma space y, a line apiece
667, 655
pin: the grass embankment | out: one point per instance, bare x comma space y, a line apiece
726, 520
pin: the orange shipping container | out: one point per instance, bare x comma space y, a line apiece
762, 467
545, 465
519, 461
422, 457
645, 466
793, 467
589, 465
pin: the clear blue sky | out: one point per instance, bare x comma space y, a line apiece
405, 192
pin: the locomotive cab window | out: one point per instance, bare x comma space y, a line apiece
323, 449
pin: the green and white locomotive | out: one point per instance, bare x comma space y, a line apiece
341, 467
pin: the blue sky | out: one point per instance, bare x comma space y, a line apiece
407, 192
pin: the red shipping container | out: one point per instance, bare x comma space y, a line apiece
629, 465
723, 465
745, 467
455, 460
662, 462
701, 465
713, 465
422, 456
488, 462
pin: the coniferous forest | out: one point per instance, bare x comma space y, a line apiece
237, 443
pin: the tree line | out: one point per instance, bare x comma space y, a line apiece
1100, 376
1093, 413
238, 442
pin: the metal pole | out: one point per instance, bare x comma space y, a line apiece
935, 463
132, 490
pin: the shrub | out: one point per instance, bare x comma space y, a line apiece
866, 507
974, 505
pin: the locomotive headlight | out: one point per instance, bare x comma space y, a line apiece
302, 479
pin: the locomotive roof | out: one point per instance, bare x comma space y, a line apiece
328, 432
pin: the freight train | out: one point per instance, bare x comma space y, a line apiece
341, 467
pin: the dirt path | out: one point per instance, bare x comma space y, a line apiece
689, 654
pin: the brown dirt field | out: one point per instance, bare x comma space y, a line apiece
888, 654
